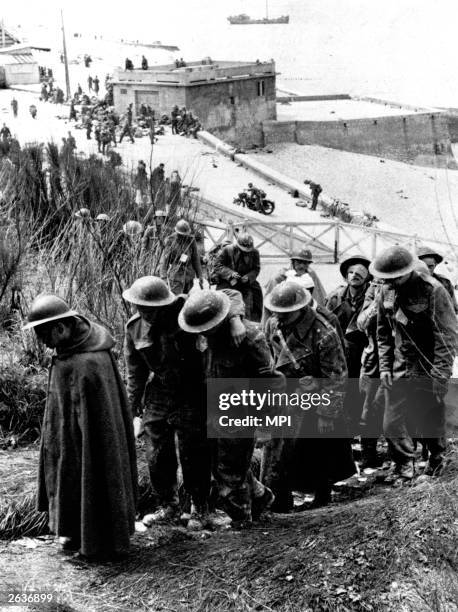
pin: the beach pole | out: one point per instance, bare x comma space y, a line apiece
67, 76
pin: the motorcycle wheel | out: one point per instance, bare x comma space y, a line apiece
268, 207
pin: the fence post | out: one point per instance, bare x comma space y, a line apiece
374, 245
336, 242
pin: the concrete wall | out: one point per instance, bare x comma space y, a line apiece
21, 74
233, 110
160, 98
422, 139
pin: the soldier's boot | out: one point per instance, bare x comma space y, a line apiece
435, 466
201, 518
402, 472
262, 504
164, 514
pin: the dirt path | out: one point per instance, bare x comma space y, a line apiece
393, 550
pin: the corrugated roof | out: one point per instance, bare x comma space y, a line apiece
7, 60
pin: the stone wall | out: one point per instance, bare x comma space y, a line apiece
233, 110
423, 139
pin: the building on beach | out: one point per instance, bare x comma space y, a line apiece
18, 65
231, 99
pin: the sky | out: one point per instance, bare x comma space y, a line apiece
407, 47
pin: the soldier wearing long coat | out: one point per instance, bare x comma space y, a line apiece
87, 467
306, 346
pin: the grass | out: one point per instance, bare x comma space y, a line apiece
394, 551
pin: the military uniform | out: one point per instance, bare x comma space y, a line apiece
417, 341
319, 293
165, 382
313, 348
447, 284
347, 308
237, 486
369, 381
180, 263
232, 259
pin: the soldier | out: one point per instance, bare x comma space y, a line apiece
174, 117
307, 347
316, 189
5, 132
127, 131
238, 266
300, 264
241, 495
180, 262
88, 474
432, 259
14, 106
417, 341
156, 182
72, 116
172, 400
372, 393
346, 302
144, 63
89, 83
96, 85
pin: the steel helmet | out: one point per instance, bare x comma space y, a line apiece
46, 308
204, 310
132, 228
287, 296
83, 213
351, 261
183, 228
245, 242
149, 291
302, 255
393, 262
102, 217
427, 252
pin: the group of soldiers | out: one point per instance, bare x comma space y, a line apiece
184, 123
383, 344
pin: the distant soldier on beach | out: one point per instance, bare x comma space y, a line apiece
33, 111
144, 63
89, 83
14, 106
5, 132
96, 85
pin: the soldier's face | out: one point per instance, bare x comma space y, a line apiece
301, 267
148, 313
430, 262
356, 275
287, 318
398, 282
53, 334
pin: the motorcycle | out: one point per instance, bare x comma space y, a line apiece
260, 204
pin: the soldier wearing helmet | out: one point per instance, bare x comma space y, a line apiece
237, 266
307, 347
165, 384
180, 262
240, 494
417, 342
300, 265
88, 474
432, 259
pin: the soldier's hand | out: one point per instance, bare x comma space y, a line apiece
138, 427
386, 380
325, 425
238, 330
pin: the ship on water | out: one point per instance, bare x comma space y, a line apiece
244, 19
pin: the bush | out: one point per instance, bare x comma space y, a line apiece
22, 402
